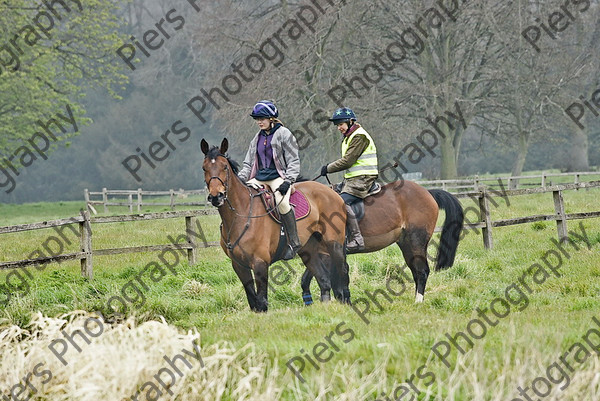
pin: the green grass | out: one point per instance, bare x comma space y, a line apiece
382, 354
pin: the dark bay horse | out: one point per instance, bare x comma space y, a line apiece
405, 213
250, 237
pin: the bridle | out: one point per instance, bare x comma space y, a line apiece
249, 217
225, 184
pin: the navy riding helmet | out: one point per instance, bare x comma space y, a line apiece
264, 109
343, 115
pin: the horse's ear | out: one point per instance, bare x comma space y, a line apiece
204, 146
224, 146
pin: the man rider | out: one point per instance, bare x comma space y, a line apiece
359, 160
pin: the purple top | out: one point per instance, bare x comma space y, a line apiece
266, 163
265, 151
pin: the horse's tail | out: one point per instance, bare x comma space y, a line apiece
451, 229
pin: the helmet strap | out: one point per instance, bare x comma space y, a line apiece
350, 123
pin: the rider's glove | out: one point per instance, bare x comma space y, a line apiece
283, 188
324, 171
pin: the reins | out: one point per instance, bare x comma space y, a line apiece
249, 217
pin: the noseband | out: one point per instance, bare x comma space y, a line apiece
225, 184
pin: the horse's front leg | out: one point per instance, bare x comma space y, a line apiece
245, 275
261, 275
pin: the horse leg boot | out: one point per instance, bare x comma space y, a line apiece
355, 238
289, 225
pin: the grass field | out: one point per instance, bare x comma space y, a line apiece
404, 351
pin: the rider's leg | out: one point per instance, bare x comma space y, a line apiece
356, 241
287, 218
254, 183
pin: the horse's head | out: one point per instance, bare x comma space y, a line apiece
217, 171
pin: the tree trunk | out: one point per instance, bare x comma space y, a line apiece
448, 168
578, 152
519, 162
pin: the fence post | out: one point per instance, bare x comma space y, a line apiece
85, 241
139, 200
577, 180
204, 195
189, 227
485, 217
172, 194
561, 220
86, 196
105, 200
476, 183
543, 179
130, 200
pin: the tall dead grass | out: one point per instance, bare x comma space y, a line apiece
117, 363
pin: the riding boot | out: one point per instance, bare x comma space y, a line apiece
355, 238
289, 225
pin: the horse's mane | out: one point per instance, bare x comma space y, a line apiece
215, 151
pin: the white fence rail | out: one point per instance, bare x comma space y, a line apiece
135, 198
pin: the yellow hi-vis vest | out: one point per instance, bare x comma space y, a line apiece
367, 162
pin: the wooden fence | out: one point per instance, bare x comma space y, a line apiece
482, 198
139, 195
87, 253
476, 183
135, 198
486, 224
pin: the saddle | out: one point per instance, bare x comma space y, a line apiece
358, 207
300, 205
298, 201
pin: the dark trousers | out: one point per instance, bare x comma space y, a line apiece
349, 199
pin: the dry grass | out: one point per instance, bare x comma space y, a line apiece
117, 363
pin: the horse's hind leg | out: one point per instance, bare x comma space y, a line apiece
413, 244
305, 284
310, 256
340, 278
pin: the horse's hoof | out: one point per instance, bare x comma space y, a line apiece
261, 308
307, 299
418, 298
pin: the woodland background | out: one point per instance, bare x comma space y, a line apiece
513, 97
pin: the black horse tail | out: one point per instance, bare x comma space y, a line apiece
451, 229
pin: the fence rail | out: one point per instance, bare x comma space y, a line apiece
476, 183
135, 198
482, 199
87, 252
139, 195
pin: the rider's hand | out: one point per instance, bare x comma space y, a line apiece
324, 171
283, 188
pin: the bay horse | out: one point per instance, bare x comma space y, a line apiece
250, 237
405, 213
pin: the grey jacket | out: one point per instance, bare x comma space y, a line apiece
285, 156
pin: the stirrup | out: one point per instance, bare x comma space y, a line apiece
290, 252
354, 245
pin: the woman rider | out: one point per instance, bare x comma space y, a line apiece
272, 160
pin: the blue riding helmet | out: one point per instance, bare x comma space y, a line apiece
264, 109
343, 115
